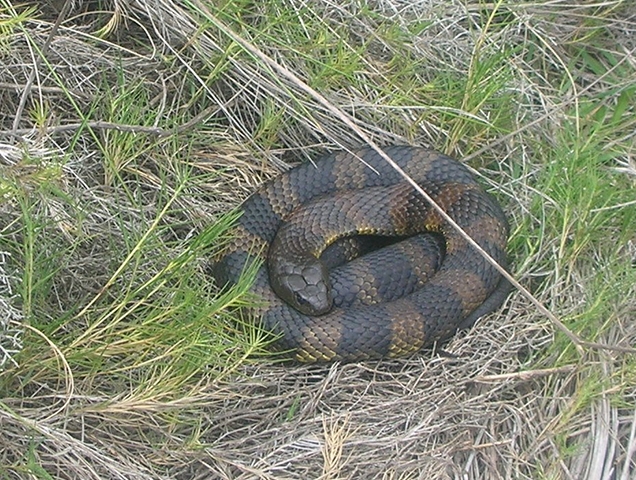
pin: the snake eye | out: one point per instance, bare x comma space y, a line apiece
300, 300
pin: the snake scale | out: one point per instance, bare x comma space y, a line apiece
289, 221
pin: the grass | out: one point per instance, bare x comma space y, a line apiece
144, 125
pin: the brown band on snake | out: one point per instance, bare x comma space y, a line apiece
464, 286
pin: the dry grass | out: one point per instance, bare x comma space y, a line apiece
131, 127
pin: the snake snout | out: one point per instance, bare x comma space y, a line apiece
304, 286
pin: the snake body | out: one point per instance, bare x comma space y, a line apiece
464, 287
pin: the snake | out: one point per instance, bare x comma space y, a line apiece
288, 226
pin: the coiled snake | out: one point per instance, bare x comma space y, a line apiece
341, 196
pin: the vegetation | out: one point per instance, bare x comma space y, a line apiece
131, 129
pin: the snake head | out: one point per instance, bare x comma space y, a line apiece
302, 284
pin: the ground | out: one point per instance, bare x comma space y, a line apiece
130, 128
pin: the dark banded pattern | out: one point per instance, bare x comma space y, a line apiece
442, 299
